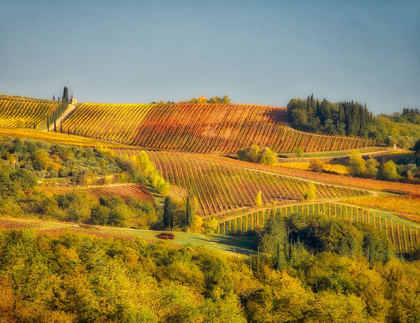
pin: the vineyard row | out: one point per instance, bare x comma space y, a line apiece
405, 236
200, 128
222, 188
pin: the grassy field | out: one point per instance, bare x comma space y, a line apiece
241, 245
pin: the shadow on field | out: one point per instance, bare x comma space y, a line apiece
239, 244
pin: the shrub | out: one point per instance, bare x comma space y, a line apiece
255, 155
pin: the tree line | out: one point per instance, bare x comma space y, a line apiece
342, 118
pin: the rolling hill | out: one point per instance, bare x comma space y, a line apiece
200, 128
17, 112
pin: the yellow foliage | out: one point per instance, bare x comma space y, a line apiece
403, 204
338, 169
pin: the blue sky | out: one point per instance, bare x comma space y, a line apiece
263, 52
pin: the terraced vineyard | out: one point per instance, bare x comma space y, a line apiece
222, 188
24, 113
201, 128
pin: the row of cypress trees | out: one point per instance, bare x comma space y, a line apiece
169, 211
52, 118
345, 118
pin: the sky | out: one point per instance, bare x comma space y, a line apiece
260, 52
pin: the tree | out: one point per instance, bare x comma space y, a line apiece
371, 168
311, 192
299, 118
168, 213
267, 157
65, 97
211, 225
389, 171
299, 152
417, 152
250, 154
258, 199
188, 213
255, 155
357, 164
225, 99
316, 165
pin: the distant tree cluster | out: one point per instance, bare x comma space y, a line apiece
200, 100
410, 111
255, 154
179, 214
387, 170
342, 118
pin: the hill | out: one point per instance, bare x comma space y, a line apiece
200, 128
221, 187
17, 112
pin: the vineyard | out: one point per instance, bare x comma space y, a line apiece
348, 181
61, 139
405, 205
24, 113
200, 128
403, 234
10, 224
222, 188
125, 191
332, 168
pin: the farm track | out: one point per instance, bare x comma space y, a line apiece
63, 117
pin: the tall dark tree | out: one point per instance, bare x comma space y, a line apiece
168, 213
65, 95
188, 213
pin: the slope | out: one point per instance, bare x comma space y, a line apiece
200, 128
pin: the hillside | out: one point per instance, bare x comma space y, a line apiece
17, 112
200, 128
221, 188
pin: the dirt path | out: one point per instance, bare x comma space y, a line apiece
66, 114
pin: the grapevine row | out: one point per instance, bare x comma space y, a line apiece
200, 128
222, 188
24, 113
404, 235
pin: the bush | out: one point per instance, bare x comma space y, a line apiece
316, 165
255, 155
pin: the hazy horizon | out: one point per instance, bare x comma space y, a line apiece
255, 52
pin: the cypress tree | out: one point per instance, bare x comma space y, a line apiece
168, 213
188, 213
65, 95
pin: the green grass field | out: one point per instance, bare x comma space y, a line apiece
234, 245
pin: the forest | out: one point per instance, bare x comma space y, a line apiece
306, 270
354, 119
